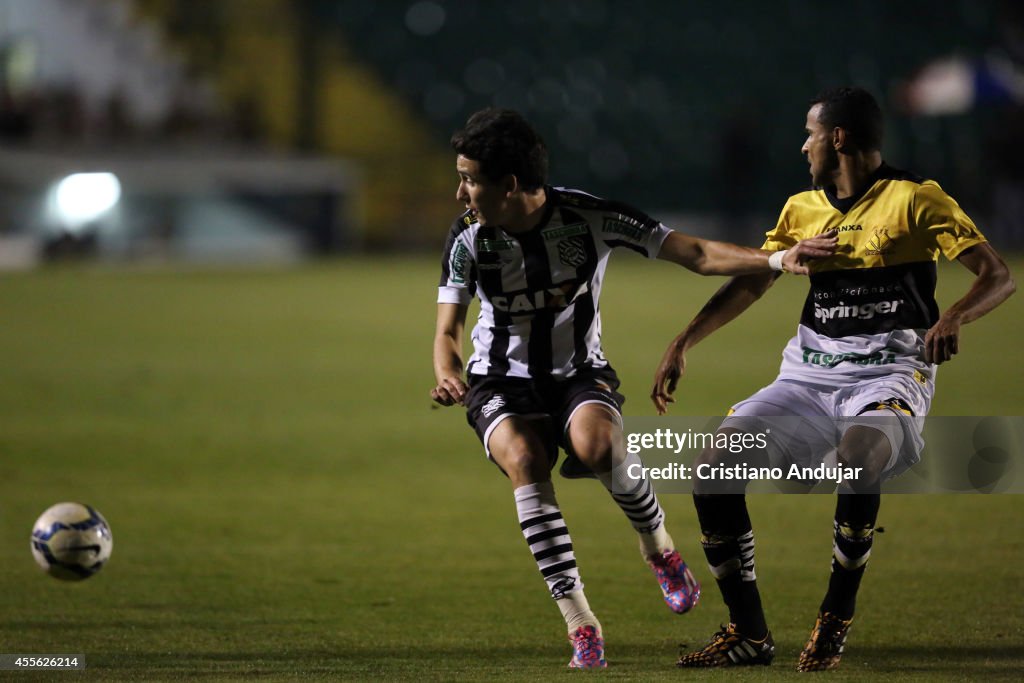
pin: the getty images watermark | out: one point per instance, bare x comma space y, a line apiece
730, 442
799, 455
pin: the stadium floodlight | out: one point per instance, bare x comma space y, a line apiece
84, 197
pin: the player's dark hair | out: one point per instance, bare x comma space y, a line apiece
503, 142
854, 110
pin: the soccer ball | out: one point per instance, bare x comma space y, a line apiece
71, 541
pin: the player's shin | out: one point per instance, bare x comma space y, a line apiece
637, 500
728, 542
853, 535
548, 538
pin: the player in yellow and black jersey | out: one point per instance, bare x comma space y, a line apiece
882, 277
862, 361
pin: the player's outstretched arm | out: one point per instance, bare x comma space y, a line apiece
992, 285
450, 389
726, 304
708, 257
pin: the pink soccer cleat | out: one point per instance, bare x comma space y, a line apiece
678, 585
587, 649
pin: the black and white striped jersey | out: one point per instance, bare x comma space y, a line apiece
540, 290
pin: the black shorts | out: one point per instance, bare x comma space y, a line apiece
552, 402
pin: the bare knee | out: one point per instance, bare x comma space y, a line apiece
524, 466
595, 439
520, 453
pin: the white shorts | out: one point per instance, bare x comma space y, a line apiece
807, 421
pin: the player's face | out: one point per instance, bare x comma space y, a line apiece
819, 150
484, 197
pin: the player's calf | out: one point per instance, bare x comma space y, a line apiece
637, 500
727, 539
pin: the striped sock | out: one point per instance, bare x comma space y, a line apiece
550, 543
640, 504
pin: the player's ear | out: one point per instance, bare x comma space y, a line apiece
839, 139
510, 184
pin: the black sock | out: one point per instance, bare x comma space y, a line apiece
728, 541
854, 526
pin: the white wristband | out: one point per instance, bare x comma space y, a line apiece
775, 260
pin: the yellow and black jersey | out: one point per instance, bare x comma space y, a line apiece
882, 277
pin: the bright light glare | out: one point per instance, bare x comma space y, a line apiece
84, 197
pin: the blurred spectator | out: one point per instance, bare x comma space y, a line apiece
995, 82
116, 122
16, 120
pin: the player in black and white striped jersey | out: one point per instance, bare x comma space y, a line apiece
539, 289
535, 255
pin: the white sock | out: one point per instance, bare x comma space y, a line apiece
576, 612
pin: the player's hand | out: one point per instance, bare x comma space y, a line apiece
942, 341
449, 391
671, 369
819, 246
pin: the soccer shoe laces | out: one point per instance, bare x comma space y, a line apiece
587, 649
825, 647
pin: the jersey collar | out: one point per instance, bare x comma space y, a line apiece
845, 204
549, 209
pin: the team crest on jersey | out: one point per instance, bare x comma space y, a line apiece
491, 406
880, 242
571, 252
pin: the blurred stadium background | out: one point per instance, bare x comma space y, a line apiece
256, 130
220, 222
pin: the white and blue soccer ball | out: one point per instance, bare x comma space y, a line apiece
71, 541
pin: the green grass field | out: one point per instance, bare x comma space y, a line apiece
286, 504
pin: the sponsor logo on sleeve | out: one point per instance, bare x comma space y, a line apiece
460, 263
625, 226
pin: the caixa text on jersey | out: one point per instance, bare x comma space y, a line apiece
562, 296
